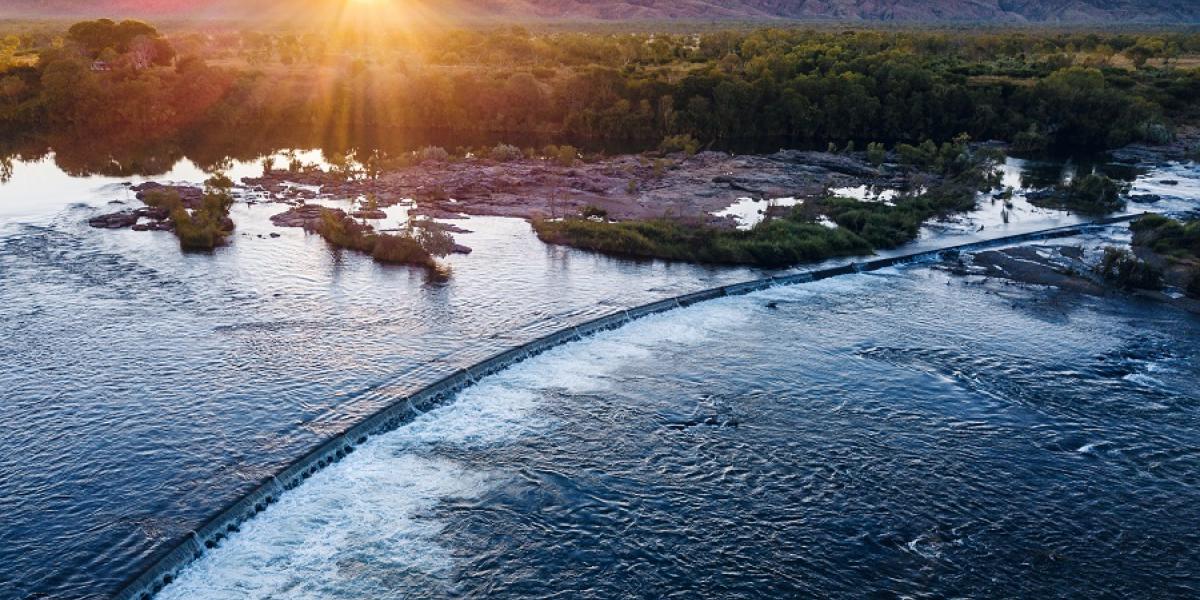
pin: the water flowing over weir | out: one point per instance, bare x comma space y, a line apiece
404, 407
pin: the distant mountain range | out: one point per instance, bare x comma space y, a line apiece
998, 11
1014, 11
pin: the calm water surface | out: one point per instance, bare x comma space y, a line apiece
141, 389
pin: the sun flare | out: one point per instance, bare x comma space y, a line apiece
379, 14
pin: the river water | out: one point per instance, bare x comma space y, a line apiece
897, 431
901, 434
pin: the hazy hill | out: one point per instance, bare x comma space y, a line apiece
1003, 11
859, 10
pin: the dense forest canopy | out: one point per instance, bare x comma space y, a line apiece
1089, 90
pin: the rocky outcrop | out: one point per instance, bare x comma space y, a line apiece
626, 187
189, 195
130, 219
117, 220
1185, 146
838, 163
306, 216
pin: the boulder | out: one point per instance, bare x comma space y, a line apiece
117, 220
307, 216
189, 195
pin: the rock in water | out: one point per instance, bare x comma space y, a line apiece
117, 220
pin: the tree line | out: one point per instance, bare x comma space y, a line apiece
1084, 90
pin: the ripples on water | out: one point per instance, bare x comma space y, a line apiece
942, 443
894, 432
141, 389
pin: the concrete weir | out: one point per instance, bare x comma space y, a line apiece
404, 409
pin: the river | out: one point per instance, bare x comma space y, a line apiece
900, 434
141, 389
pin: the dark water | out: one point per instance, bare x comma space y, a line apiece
141, 389
904, 434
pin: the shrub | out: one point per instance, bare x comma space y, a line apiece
415, 247
1096, 190
434, 239
206, 227
563, 155
876, 153
1089, 194
1157, 133
1030, 141
1127, 271
399, 249
591, 211
951, 159
1171, 238
506, 153
432, 153
162, 198
1178, 242
680, 143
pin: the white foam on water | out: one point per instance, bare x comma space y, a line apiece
366, 527
309, 543
1145, 380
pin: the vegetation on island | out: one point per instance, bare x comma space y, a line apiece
417, 245
813, 231
207, 225
1124, 269
1089, 194
1089, 90
1164, 251
1176, 243
774, 243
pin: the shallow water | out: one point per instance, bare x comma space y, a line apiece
142, 389
748, 212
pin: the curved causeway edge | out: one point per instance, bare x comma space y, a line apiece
227, 521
